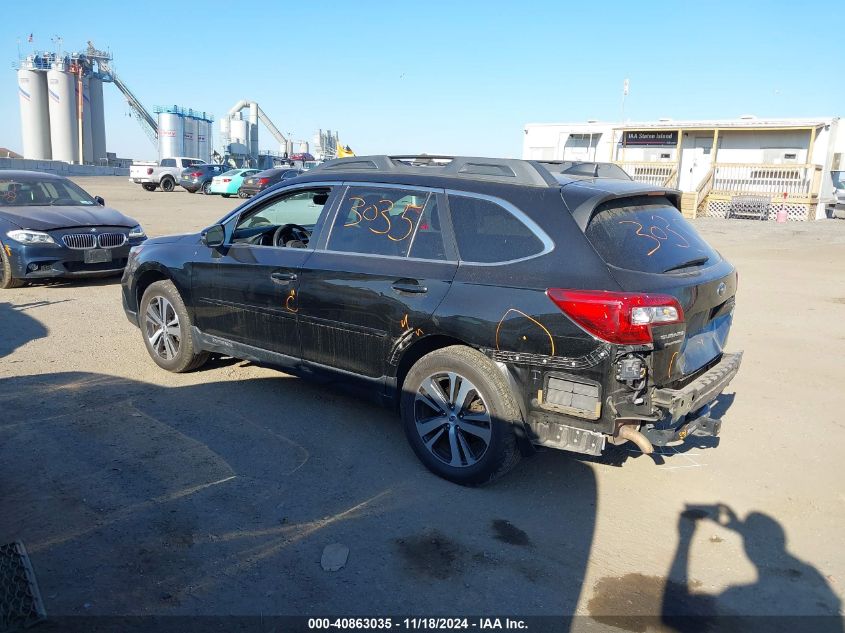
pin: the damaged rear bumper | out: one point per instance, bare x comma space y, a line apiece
701, 391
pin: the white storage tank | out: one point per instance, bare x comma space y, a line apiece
64, 136
203, 145
98, 120
239, 132
87, 133
225, 138
190, 136
171, 130
35, 116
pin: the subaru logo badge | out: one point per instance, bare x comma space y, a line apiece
93, 230
721, 289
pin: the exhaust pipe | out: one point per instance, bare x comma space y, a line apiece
628, 432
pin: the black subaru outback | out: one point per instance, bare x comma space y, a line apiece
500, 304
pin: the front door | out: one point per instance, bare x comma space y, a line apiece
696, 162
247, 291
371, 288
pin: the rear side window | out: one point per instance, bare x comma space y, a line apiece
382, 221
168, 162
486, 232
647, 234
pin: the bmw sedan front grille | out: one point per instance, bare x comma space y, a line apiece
80, 240
111, 240
90, 240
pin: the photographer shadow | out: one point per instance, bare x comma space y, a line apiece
791, 590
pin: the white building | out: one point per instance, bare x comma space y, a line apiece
712, 162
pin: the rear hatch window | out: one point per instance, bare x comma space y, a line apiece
647, 234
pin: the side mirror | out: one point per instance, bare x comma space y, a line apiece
214, 236
99, 200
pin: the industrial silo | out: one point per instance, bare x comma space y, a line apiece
203, 129
190, 136
98, 120
61, 90
225, 137
171, 129
253, 128
87, 135
239, 132
35, 117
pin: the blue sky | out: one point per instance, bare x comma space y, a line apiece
459, 76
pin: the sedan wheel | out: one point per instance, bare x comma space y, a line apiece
206, 188
452, 419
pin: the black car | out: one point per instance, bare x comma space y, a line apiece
49, 227
198, 177
265, 179
500, 304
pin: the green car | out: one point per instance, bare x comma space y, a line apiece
229, 182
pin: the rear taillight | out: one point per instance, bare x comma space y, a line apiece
149, 171
623, 318
227, 180
263, 181
196, 174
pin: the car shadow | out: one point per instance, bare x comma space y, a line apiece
81, 282
17, 327
219, 498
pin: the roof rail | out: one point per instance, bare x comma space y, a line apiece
504, 170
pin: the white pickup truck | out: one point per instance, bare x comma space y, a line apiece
164, 174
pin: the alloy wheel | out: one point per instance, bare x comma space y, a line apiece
452, 419
162, 328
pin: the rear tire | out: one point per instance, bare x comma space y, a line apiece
149, 186
458, 413
166, 328
226, 195
206, 188
7, 281
167, 184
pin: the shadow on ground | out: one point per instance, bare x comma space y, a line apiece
17, 327
219, 498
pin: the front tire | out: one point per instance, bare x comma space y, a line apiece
458, 413
7, 281
166, 328
167, 184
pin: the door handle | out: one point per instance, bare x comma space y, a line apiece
283, 278
409, 285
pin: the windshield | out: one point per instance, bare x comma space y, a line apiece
22, 192
648, 234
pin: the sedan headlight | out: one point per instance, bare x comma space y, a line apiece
136, 232
31, 237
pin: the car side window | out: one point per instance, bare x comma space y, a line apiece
387, 221
486, 232
168, 162
302, 207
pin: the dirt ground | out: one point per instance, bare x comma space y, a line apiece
141, 492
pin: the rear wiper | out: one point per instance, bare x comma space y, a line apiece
700, 261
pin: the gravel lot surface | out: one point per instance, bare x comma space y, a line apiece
216, 492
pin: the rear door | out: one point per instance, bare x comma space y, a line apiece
650, 247
382, 269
